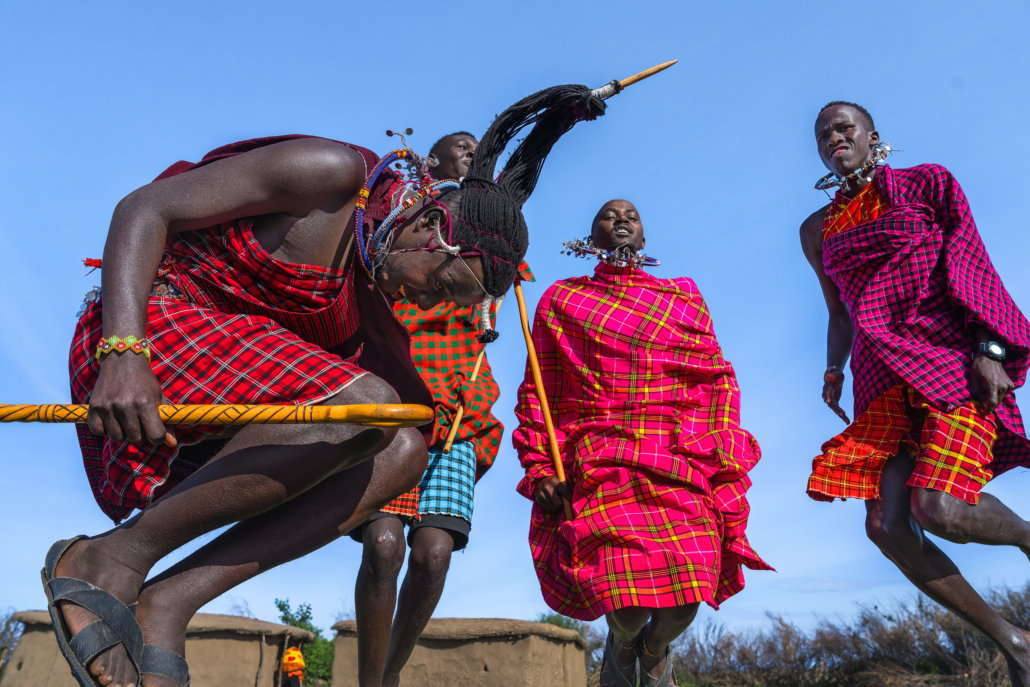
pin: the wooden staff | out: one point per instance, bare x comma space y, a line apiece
475, 373
367, 414
541, 395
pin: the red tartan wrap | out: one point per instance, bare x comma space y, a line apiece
249, 329
647, 416
914, 279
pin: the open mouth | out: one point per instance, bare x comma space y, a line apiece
839, 151
622, 232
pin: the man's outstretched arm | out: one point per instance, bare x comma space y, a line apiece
840, 332
293, 177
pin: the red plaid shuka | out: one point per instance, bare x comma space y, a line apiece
647, 415
952, 451
245, 329
914, 277
444, 348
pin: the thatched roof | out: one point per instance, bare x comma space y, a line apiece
472, 629
202, 622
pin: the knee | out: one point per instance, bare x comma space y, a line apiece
629, 620
887, 533
384, 549
408, 452
682, 615
934, 511
431, 552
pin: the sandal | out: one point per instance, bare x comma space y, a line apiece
611, 674
116, 624
667, 679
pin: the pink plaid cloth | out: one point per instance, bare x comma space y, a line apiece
647, 416
914, 280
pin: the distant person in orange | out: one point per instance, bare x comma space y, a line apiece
293, 667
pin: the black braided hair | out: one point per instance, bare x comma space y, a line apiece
439, 144
490, 213
864, 112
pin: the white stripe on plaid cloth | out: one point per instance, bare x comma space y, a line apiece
448, 485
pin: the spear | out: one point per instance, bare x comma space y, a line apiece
604, 92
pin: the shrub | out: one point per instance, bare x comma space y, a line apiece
594, 639
10, 632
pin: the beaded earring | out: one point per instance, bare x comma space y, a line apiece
880, 152
583, 248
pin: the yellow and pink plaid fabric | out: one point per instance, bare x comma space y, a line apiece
952, 450
647, 415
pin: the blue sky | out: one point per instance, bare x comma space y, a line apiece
717, 154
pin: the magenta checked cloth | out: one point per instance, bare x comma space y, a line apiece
647, 416
914, 280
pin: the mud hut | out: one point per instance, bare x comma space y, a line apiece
222, 650
474, 652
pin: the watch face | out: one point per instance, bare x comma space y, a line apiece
995, 348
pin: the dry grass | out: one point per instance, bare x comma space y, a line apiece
913, 644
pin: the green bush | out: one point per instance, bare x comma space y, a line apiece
318, 655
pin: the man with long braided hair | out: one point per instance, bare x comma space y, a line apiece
263, 274
937, 346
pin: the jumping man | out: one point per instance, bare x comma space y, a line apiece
262, 275
438, 512
937, 346
647, 416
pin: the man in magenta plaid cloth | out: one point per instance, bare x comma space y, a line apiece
647, 417
263, 275
937, 347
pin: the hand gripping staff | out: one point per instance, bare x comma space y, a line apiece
604, 92
367, 414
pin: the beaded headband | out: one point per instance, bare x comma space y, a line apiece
583, 248
880, 152
421, 184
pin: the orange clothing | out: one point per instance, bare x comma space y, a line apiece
952, 450
845, 213
293, 661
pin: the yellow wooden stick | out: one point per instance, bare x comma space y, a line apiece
368, 414
461, 409
475, 373
541, 395
646, 73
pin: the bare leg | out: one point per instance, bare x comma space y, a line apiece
259, 469
666, 625
375, 595
989, 522
626, 624
277, 536
891, 524
428, 562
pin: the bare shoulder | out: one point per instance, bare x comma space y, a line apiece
812, 231
314, 159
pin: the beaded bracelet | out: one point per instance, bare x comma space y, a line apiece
129, 343
833, 374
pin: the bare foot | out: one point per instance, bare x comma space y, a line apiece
85, 561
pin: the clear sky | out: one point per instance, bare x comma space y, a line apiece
717, 154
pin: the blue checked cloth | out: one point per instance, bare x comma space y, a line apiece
449, 482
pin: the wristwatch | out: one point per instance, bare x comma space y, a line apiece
991, 349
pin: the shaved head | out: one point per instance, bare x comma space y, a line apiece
617, 226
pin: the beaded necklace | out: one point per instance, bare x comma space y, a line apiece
880, 152
618, 258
